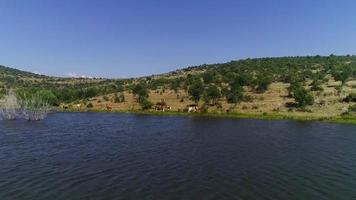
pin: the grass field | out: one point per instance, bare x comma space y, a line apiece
268, 105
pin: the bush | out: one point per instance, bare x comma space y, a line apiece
196, 90
248, 98
350, 98
145, 103
352, 108
316, 86
140, 90
302, 97
234, 94
212, 93
254, 107
90, 105
262, 82
119, 98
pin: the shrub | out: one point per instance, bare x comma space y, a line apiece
248, 98
254, 107
196, 90
234, 94
316, 86
262, 82
302, 97
352, 108
350, 98
119, 98
90, 105
140, 90
145, 103
212, 93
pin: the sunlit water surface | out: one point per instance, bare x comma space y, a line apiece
125, 156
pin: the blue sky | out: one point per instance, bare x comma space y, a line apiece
132, 38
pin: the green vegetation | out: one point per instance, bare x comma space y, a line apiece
302, 97
196, 90
350, 98
212, 94
140, 90
233, 83
119, 98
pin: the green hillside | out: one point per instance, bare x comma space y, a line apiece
323, 85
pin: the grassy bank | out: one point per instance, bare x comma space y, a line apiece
347, 119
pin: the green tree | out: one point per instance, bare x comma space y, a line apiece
48, 97
342, 73
302, 97
145, 103
209, 77
316, 85
212, 93
234, 94
196, 90
262, 82
140, 90
292, 87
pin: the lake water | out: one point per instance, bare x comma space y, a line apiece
126, 156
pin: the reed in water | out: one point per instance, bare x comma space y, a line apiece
23, 106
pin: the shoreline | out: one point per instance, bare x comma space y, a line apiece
347, 119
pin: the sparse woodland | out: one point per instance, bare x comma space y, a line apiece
310, 85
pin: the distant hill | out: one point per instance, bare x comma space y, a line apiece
15, 72
308, 85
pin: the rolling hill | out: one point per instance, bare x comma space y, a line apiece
309, 86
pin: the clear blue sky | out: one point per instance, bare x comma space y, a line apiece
116, 38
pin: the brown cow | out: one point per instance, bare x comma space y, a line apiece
108, 108
162, 106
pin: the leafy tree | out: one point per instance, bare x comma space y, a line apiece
212, 93
145, 103
302, 97
235, 93
175, 84
316, 85
342, 73
140, 90
262, 82
48, 97
292, 87
209, 77
196, 90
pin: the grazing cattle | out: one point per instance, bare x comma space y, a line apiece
108, 108
162, 106
193, 108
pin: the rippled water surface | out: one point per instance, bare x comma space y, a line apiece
124, 156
